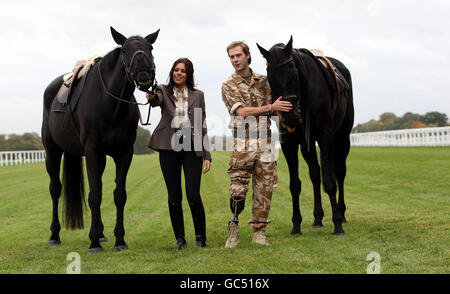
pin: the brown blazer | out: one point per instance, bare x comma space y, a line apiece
162, 136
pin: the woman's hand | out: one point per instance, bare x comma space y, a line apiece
150, 96
207, 166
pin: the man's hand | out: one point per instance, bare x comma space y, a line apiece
279, 105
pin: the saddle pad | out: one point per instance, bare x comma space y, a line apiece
61, 104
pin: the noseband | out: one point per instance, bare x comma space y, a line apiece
130, 74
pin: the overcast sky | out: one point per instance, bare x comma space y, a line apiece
397, 51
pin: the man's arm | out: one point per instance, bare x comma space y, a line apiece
278, 105
246, 111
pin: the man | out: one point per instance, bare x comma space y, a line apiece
247, 97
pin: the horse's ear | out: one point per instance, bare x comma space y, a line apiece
118, 37
152, 37
264, 52
288, 47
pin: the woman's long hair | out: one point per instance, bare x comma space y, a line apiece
189, 74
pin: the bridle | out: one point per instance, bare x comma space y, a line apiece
131, 79
129, 73
307, 114
288, 97
284, 62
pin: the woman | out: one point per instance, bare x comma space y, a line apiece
178, 140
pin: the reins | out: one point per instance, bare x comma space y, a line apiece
129, 101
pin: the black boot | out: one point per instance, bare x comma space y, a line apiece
181, 243
201, 240
176, 217
199, 220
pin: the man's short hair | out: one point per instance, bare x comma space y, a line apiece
244, 47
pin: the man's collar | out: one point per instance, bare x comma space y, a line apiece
239, 79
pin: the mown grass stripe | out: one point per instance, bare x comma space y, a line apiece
397, 205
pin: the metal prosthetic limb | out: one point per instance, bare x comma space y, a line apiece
237, 205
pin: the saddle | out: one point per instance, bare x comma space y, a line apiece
333, 70
72, 86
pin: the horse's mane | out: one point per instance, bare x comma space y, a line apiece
113, 53
303, 78
111, 57
331, 81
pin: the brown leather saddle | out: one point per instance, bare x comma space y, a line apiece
70, 91
333, 70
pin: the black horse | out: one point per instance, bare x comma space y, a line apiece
322, 112
103, 123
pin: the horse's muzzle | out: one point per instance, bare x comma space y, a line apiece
145, 80
291, 118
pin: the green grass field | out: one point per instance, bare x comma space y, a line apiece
397, 205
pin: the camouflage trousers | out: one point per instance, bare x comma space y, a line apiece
260, 165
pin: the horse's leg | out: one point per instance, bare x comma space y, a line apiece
342, 150
120, 197
314, 174
95, 165
53, 166
327, 157
290, 151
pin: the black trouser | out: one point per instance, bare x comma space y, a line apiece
171, 163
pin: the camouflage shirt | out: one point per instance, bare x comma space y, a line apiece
236, 92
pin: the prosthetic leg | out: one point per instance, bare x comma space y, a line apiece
237, 205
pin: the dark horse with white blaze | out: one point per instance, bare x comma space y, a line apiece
321, 114
103, 123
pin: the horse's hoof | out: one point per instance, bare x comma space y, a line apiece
103, 239
339, 233
53, 242
317, 225
296, 231
95, 250
120, 248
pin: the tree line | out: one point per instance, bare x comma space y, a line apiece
386, 121
389, 121
14, 142
32, 141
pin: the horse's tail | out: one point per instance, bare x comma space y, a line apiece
73, 182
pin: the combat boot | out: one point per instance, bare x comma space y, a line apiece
259, 237
233, 235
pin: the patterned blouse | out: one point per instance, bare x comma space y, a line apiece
181, 118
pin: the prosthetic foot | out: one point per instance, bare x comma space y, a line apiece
233, 234
236, 205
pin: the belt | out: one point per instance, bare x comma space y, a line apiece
252, 134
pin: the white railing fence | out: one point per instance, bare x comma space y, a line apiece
8, 158
439, 136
